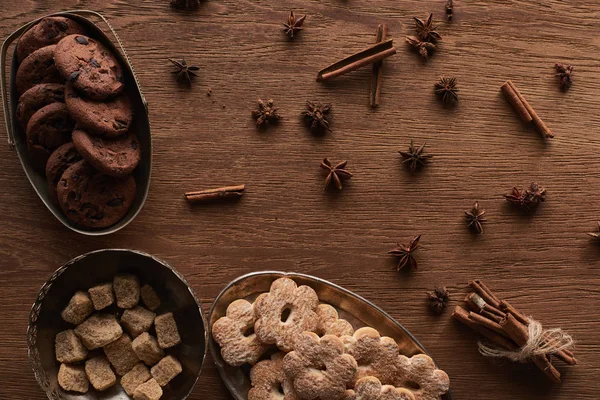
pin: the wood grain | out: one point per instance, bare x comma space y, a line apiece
544, 263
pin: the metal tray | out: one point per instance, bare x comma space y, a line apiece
352, 307
141, 122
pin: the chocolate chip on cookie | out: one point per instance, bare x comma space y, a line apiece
37, 97
49, 30
48, 129
61, 159
94, 200
37, 68
108, 118
90, 66
114, 156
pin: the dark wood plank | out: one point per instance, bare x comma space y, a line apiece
544, 263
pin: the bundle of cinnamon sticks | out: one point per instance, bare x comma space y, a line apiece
505, 327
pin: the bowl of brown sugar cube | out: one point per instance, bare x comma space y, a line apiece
116, 324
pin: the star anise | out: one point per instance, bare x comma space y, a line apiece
595, 235
316, 117
425, 29
527, 199
564, 74
405, 254
449, 10
266, 113
184, 71
185, 4
438, 299
475, 218
293, 25
446, 90
414, 157
335, 173
423, 48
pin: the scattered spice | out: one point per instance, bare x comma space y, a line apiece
317, 116
438, 299
414, 157
528, 199
185, 4
377, 76
475, 218
335, 173
266, 113
371, 54
446, 90
293, 25
423, 48
525, 111
595, 235
405, 254
425, 30
209, 195
449, 10
184, 71
208, 92
564, 74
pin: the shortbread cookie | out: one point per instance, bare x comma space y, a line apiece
329, 322
235, 334
318, 367
420, 375
284, 313
37, 97
37, 68
268, 380
49, 30
370, 388
376, 356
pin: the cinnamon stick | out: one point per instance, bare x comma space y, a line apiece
526, 112
488, 323
376, 78
372, 54
485, 292
208, 195
516, 102
462, 315
477, 304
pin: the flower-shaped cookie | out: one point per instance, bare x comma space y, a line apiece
376, 356
329, 322
269, 381
234, 333
421, 377
318, 367
370, 388
284, 313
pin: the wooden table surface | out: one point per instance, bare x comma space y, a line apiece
544, 263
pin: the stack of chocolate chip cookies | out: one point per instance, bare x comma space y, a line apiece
77, 119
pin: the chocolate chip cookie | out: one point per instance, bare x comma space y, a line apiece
116, 157
110, 118
37, 97
37, 68
48, 129
90, 66
61, 159
94, 200
49, 30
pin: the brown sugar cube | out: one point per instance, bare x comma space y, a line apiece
166, 369
149, 297
72, 378
79, 308
102, 295
166, 331
99, 373
147, 349
127, 290
150, 390
99, 330
68, 347
134, 378
121, 355
137, 320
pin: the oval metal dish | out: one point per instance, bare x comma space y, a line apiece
141, 122
352, 307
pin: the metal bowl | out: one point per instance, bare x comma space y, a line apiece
141, 122
352, 307
99, 266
